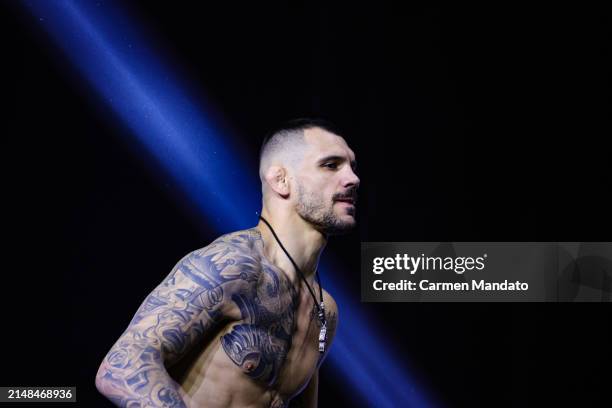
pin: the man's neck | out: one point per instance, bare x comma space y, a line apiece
300, 239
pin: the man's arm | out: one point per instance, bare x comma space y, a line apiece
190, 301
309, 396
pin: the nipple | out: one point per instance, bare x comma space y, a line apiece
250, 362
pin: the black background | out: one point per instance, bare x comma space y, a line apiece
469, 124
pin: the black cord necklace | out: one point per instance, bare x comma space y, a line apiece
321, 306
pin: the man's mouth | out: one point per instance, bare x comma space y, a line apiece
348, 200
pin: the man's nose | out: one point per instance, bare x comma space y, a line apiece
351, 179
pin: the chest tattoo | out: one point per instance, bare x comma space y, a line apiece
259, 345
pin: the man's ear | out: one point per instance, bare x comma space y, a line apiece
278, 180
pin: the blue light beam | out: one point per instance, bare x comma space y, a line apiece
107, 51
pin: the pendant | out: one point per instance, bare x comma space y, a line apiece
322, 337
323, 331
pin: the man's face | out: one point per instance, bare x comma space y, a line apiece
326, 188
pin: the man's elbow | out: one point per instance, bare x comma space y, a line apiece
102, 379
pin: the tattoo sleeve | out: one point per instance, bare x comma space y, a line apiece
190, 301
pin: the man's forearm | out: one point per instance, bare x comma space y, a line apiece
133, 373
150, 387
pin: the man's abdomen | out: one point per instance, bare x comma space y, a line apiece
214, 380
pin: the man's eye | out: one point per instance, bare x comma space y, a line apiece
331, 165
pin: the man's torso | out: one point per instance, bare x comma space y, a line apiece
266, 346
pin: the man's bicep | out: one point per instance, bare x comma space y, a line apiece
180, 310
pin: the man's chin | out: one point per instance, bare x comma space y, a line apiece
343, 225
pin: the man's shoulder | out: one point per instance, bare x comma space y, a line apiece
245, 240
330, 302
230, 257
331, 312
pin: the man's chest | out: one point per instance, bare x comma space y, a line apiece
275, 325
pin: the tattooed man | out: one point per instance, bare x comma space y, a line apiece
234, 324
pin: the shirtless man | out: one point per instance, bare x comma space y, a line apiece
235, 324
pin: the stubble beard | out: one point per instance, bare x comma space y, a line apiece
313, 208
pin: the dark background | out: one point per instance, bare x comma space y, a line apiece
469, 124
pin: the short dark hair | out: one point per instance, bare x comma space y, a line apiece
297, 125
